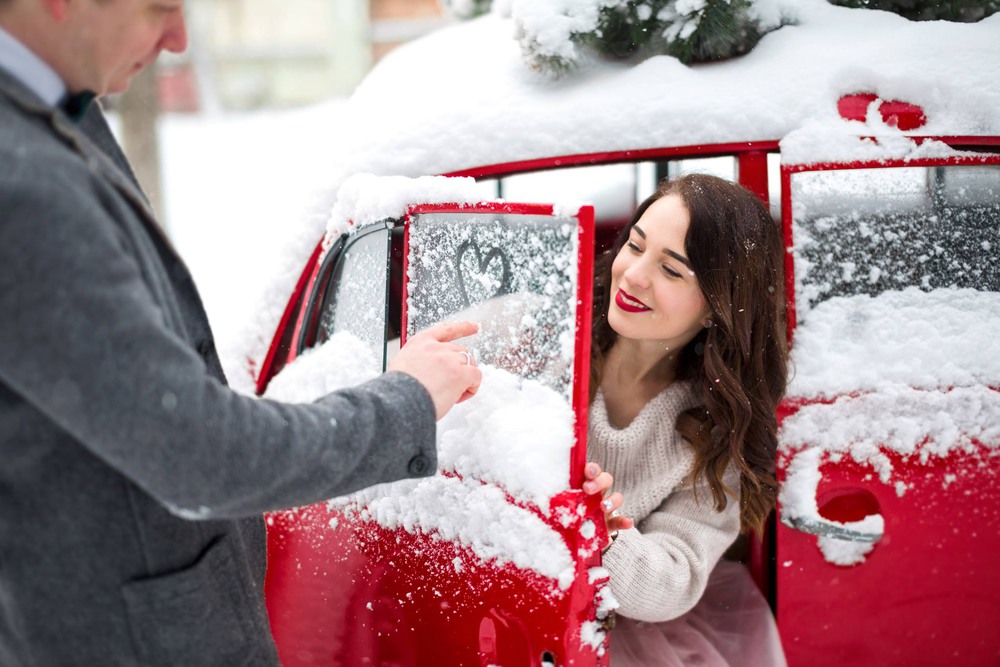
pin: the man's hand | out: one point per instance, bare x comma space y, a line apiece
446, 369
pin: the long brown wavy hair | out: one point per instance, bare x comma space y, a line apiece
737, 366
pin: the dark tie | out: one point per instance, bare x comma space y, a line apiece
75, 105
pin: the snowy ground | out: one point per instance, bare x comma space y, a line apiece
231, 183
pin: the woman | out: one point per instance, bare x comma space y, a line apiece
689, 363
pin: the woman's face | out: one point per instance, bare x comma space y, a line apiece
654, 292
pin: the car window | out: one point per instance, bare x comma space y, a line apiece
359, 303
514, 274
895, 274
866, 231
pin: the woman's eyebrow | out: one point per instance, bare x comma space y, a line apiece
680, 258
666, 251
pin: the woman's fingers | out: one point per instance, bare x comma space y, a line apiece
596, 483
599, 481
612, 503
619, 523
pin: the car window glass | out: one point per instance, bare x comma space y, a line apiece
610, 188
896, 278
865, 231
355, 299
515, 274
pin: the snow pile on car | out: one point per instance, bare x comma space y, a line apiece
501, 456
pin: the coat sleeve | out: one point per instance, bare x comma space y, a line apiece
83, 341
659, 568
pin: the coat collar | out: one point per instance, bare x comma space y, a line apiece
93, 141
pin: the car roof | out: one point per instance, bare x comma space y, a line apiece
463, 97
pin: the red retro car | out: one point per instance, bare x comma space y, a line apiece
882, 163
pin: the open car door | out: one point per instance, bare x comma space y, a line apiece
890, 500
492, 561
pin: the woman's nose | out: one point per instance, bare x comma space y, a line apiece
637, 275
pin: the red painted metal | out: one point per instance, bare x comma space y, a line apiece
581, 359
289, 315
608, 157
363, 594
855, 107
752, 174
926, 595
405, 298
786, 226
902, 115
895, 113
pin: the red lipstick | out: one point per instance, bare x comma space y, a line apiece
629, 303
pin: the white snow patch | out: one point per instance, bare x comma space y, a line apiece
342, 361
468, 512
844, 552
365, 198
898, 418
515, 433
941, 338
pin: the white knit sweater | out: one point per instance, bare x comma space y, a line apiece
659, 568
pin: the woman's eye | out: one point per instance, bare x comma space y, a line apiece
670, 272
634, 247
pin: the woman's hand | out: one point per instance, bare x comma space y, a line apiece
596, 481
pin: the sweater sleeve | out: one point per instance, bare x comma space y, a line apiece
84, 342
659, 569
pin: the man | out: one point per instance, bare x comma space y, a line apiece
132, 480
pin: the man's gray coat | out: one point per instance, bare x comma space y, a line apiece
132, 480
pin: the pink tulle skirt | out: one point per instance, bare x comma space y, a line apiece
731, 626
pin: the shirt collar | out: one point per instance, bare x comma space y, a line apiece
30, 70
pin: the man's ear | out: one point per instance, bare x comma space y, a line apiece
57, 9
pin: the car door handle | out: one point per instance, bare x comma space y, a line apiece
868, 530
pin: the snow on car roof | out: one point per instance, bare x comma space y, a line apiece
463, 97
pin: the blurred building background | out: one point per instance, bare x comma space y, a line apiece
252, 54
249, 55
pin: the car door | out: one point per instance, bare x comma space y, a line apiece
492, 560
890, 499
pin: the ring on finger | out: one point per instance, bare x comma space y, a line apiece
468, 357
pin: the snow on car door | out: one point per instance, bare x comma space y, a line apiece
890, 501
488, 562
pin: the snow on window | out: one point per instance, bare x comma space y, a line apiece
516, 273
896, 278
946, 337
865, 231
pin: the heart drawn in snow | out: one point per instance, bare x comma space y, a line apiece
481, 277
